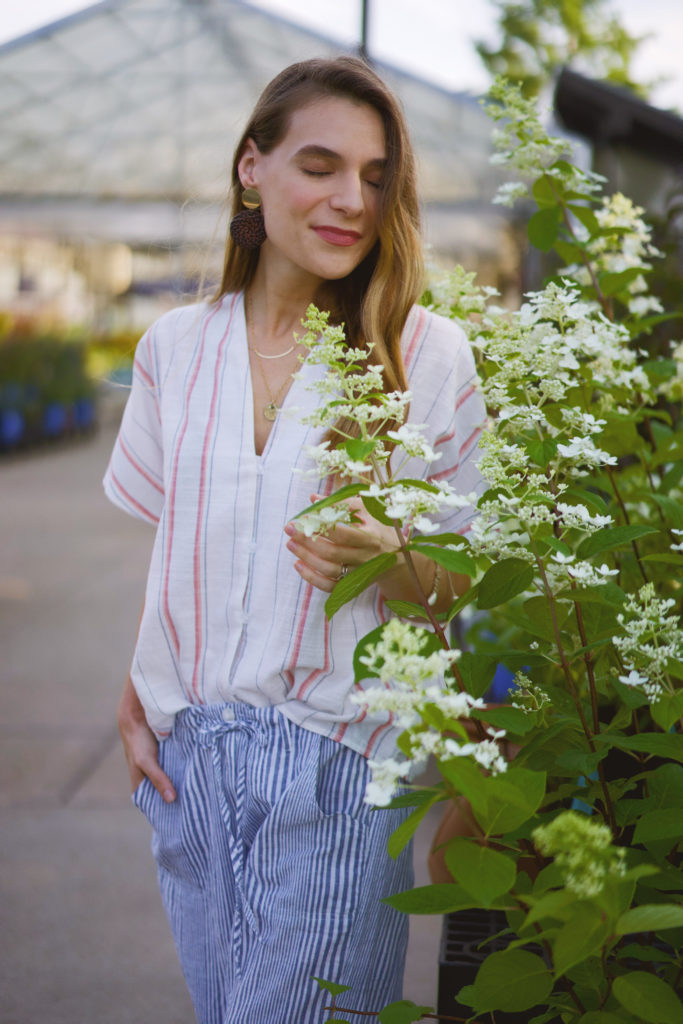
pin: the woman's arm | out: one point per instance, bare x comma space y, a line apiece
140, 745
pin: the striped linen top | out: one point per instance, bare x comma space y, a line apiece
227, 617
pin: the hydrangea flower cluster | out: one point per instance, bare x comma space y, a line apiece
352, 388
410, 671
652, 637
624, 243
582, 847
524, 143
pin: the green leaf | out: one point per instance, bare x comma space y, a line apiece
545, 191
467, 598
483, 872
600, 1017
580, 761
504, 580
331, 987
665, 785
356, 582
613, 537
403, 1012
513, 720
466, 778
541, 451
671, 507
512, 798
668, 709
603, 593
477, 671
356, 448
585, 215
442, 898
543, 227
650, 917
660, 824
401, 836
361, 671
551, 905
376, 510
581, 937
407, 609
568, 252
512, 980
584, 497
349, 491
648, 997
454, 561
658, 743
613, 283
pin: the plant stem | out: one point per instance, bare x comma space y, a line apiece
590, 671
627, 520
560, 650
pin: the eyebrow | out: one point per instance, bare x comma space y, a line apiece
330, 154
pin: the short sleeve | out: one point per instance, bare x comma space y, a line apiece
446, 389
134, 479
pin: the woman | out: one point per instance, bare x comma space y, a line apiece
243, 746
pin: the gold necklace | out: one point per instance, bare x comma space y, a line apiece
280, 355
270, 409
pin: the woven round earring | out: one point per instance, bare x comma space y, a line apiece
247, 227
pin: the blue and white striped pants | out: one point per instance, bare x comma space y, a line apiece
272, 868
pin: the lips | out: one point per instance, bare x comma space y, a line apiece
336, 236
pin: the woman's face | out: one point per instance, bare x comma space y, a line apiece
320, 188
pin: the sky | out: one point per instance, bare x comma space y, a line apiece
431, 38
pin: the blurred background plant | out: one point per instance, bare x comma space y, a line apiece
50, 379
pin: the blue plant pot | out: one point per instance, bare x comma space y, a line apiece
12, 427
83, 413
54, 419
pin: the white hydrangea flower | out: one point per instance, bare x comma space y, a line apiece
386, 778
410, 437
320, 522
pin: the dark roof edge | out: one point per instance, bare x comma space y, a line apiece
607, 114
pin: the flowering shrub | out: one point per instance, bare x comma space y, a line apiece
575, 560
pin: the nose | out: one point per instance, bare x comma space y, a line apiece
348, 197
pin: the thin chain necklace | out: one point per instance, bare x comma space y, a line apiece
270, 409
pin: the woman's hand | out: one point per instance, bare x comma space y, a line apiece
321, 561
140, 745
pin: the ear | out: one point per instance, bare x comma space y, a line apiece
248, 165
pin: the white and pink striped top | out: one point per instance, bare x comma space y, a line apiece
226, 615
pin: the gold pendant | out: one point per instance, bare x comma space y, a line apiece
270, 411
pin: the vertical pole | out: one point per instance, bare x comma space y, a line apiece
364, 20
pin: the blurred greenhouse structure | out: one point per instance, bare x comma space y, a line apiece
117, 126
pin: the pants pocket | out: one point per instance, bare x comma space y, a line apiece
180, 838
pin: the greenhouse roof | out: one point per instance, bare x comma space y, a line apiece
144, 100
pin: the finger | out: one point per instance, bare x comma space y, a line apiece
320, 555
316, 579
158, 777
329, 567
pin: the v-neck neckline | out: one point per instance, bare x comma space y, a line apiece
251, 406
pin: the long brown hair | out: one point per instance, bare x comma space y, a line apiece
374, 300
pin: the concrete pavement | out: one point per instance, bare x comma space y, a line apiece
84, 939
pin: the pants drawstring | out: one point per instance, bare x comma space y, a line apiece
208, 737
